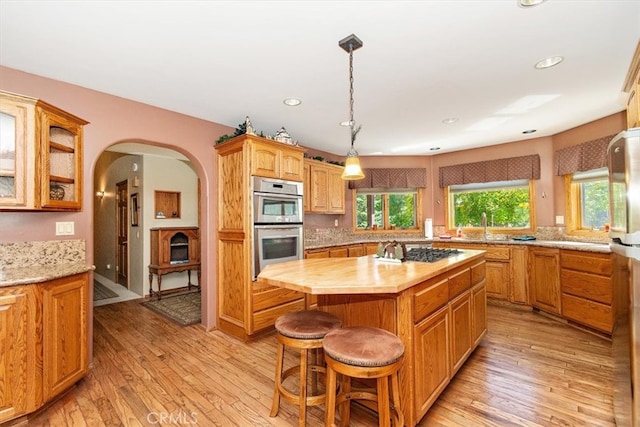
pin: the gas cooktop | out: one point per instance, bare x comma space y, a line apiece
429, 254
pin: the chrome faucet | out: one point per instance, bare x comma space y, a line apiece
483, 222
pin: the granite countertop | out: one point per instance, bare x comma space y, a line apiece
40, 273
559, 244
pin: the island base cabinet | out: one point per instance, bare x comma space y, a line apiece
64, 313
432, 354
460, 313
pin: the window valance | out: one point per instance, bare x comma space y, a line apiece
523, 167
583, 157
391, 178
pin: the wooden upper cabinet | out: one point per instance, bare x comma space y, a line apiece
326, 188
632, 87
271, 159
41, 168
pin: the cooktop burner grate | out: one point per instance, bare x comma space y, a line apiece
430, 254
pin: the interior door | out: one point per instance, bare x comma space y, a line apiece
122, 224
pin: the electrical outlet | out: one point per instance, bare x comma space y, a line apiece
108, 266
335, 222
559, 219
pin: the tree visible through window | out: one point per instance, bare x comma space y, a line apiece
386, 210
506, 204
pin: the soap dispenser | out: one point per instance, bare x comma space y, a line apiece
459, 232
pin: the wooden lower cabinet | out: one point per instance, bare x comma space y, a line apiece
432, 351
64, 344
16, 371
460, 313
544, 279
498, 279
588, 289
43, 337
440, 321
519, 276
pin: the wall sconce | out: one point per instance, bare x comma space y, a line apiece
100, 194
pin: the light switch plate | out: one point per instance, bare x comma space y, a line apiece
65, 228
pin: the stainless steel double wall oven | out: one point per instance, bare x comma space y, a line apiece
277, 222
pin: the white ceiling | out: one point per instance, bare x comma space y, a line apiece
422, 62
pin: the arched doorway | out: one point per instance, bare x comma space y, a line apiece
146, 168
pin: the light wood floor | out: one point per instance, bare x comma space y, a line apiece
528, 371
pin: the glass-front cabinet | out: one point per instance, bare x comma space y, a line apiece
40, 155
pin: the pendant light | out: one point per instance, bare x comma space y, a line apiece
352, 169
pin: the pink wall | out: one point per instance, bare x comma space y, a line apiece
113, 119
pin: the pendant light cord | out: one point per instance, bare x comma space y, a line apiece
352, 123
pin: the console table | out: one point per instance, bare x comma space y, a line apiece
174, 268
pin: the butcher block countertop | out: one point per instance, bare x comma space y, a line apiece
362, 275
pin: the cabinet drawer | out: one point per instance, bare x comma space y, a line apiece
356, 251
478, 272
267, 318
459, 282
270, 296
496, 253
589, 313
430, 299
587, 261
590, 286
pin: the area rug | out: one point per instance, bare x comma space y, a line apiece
100, 291
183, 309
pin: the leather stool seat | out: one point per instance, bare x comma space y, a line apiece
303, 331
363, 352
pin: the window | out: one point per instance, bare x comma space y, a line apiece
387, 209
587, 201
507, 204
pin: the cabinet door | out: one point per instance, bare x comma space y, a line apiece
291, 167
460, 313
64, 347
518, 280
432, 354
265, 160
13, 358
60, 165
319, 189
545, 279
497, 279
336, 191
13, 162
478, 313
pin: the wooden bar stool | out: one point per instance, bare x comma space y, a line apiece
304, 331
363, 352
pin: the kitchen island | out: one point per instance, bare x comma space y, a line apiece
437, 309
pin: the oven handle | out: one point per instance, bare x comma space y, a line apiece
278, 195
289, 225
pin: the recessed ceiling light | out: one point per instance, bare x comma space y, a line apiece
529, 131
292, 102
346, 123
434, 148
450, 120
529, 3
548, 62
